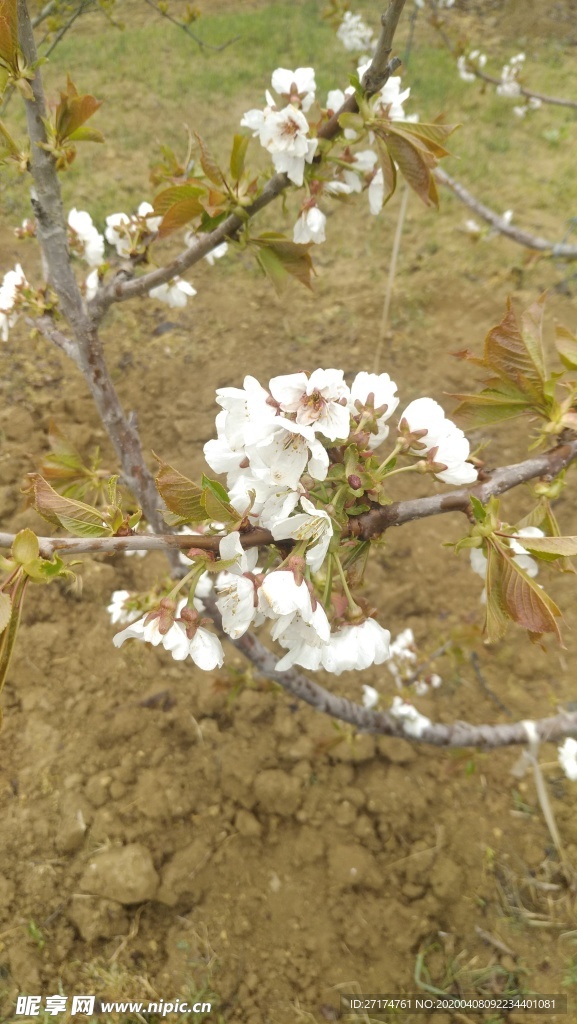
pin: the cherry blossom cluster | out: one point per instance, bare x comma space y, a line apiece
300, 458
286, 134
509, 86
355, 35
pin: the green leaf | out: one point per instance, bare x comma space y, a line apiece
5, 611
73, 110
178, 205
490, 406
431, 136
25, 547
532, 334
388, 168
183, 497
566, 345
556, 546
279, 257
351, 120
84, 134
479, 510
238, 156
209, 164
216, 503
77, 518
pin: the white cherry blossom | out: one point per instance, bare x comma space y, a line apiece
445, 442
117, 233
301, 81
316, 400
310, 227
304, 639
250, 416
205, 648
313, 525
356, 647
414, 723
370, 697
146, 211
568, 757
88, 236
91, 284
236, 592
376, 192
284, 133
362, 163
116, 609
383, 390
282, 458
174, 293
13, 283
280, 594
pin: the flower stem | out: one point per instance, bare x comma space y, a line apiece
392, 455
350, 599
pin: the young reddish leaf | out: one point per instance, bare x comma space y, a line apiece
169, 197
566, 345
532, 334
415, 165
278, 257
388, 168
238, 156
208, 163
430, 136
181, 495
506, 353
179, 215
9, 34
79, 519
178, 205
5, 611
495, 618
511, 592
73, 110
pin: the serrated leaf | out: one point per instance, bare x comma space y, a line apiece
183, 497
507, 354
415, 164
5, 611
216, 503
489, 407
279, 257
512, 593
238, 156
9, 32
208, 162
556, 546
77, 518
431, 136
532, 334
566, 345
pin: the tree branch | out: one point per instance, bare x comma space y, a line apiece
364, 527
202, 45
120, 290
559, 250
555, 101
86, 349
383, 723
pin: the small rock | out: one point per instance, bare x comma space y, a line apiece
125, 874
247, 824
277, 792
96, 918
351, 865
179, 882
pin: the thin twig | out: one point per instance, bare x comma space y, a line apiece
202, 45
560, 250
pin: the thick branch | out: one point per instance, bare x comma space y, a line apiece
457, 734
365, 527
375, 77
560, 250
86, 349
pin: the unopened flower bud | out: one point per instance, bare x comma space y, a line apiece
355, 482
